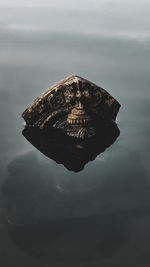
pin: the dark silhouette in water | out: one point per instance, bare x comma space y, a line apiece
72, 152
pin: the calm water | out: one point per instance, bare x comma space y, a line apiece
101, 215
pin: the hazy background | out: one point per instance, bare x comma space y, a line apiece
107, 42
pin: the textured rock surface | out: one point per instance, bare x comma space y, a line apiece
74, 106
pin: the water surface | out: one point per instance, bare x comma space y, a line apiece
101, 215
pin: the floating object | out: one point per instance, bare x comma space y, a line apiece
72, 122
74, 106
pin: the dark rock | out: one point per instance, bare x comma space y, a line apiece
72, 122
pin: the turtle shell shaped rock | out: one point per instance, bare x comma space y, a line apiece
74, 106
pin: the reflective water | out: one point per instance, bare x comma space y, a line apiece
100, 216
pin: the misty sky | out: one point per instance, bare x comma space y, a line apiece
127, 19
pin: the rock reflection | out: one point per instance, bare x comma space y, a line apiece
71, 152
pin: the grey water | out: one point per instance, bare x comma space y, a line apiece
50, 216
